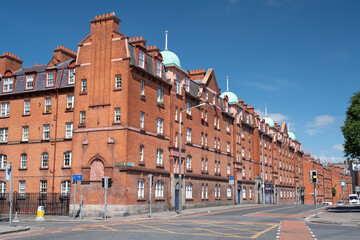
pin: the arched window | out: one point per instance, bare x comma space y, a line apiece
215, 191
159, 156
244, 192
188, 162
178, 86
96, 170
141, 153
65, 188
44, 160
67, 159
202, 191
141, 184
206, 191
228, 169
228, 192
159, 189
23, 160
3, 160
219, 190
250, 193
189, 190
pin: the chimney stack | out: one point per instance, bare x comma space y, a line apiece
9, 61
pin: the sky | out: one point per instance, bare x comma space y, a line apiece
301, 58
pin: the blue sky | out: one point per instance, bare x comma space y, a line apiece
300, 57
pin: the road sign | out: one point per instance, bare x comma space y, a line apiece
231, 180
343, 183
357, 188
77, 177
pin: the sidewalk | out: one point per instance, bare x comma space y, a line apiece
348, 215
5, 228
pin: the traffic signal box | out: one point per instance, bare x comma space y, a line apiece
106, 182
313, 176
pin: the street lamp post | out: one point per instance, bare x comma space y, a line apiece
262, 168
180, 160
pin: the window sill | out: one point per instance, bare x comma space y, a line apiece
160, 199
142, 130
141, 200
228, 133
161, 105
141, 164
189, 170
142, 98
189, 199
69, 110
83, 93
188, 116
27, 141
116, 123
7, 116
22, 169
68, 139
160, 136
44, 168
160, 166
46, 113
3, 143
117, 89
81, 125
67, 167
229, 198
26, 115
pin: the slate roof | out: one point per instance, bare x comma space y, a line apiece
149, 63
40, 78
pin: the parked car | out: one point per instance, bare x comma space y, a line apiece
354, 199
340, 203
327, 203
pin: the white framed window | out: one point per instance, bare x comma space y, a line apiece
2, 188
67, 159
243, 152
160, 96
214, 97
219, 143
117, 116
188, 162
249, 153
22, 186
215, 167
142, 115
70, 102
187, 84
219, 191
44, 160
50, 79
5, 109
46, 131
158, 68
206, 165
118, 81
242, 132
8, 84
82, 117
25, 133
215, 192
264, 142
218, 122
265, 159
84, 85
215, 142
206, 94
160, 123
159, 156
244, 192
3, 161
26, 107
176, 113
23, 160
206, 137
159, 189
141, 153
250, 193
176, 139
206, 191
71, 75
228, 147
65, 188
228, 192
140, 191
189, 190
3, 134
188, 135
228, 169
43, 186
68, 130
206, 112
47, 107
243, 171
214, 121
142, 88
219, 172
202, 139
249, 173
141, 59
202, 191
188, 108
178, 86
228, 126
202, 164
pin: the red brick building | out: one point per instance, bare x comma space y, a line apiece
119, 116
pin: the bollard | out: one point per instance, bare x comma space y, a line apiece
40, 214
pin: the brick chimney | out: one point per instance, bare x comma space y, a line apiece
9, 61
103, 24
138, 41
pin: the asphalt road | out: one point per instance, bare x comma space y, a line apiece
260, 222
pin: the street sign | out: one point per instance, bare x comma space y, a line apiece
357, 188
343, 183
77, 177
8, 172
231, 180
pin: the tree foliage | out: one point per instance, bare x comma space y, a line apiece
351, 128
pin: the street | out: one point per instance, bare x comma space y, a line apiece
248, 222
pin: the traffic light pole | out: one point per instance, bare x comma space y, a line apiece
74, 183
105, 187
316, 210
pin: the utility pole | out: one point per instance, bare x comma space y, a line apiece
8, 177
74, 183
150, 176
316, 210
262, 168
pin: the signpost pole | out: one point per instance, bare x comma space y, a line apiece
74, 182
106, 186
150, 176
9, 177
316, 210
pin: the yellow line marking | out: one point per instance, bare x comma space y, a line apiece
112, 229
219, 233
164, 230
228, 227
266, 230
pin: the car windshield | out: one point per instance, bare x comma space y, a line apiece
353, 198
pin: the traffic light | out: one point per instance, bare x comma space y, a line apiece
314, 176
103, 182
109, 182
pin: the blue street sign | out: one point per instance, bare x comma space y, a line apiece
231, 177
77, 177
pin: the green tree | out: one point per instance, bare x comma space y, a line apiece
351, 128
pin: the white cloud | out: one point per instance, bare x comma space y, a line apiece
338, 147
329, 159
311, 132
277, 117
322, 121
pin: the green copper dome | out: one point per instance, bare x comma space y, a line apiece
232, 97
269, 121
291, 136
170, 58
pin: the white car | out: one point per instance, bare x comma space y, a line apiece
354, 199
327, 203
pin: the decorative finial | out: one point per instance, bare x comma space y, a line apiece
227, 83
266, 111
166, 33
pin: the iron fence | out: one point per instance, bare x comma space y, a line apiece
28, 203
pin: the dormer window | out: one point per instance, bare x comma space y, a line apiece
71, 76
178, 86
50, 79
29, 82
141, 59
187, 84
8, 84
206, 94
158, 68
